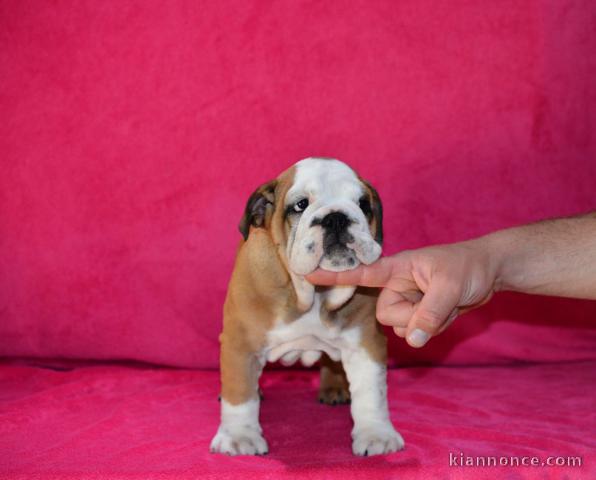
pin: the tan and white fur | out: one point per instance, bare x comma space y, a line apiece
318, 213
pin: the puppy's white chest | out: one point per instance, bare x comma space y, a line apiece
307, 337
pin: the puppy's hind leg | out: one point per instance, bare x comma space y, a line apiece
334, 387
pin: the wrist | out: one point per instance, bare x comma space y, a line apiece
494, 249
507, 258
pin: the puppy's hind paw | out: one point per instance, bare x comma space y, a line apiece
334, 396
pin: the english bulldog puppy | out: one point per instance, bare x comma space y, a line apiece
318, 213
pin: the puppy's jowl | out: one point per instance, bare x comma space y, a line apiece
318, 213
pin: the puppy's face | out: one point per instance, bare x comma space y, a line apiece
322, 214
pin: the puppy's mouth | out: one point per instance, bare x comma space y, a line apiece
339, 258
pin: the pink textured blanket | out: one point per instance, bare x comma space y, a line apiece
132, 423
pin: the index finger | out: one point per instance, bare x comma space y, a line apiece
377, 274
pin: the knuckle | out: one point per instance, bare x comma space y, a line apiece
383, 317
431, 318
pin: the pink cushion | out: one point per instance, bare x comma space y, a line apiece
128, 423
132, 136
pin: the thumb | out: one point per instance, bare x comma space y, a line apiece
436, 307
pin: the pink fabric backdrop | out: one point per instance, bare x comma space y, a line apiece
133, 132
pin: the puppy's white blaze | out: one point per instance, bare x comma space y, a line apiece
239, 432
327, 178
373, 432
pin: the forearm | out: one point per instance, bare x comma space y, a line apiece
553, 257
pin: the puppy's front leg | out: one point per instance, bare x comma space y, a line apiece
373, 432
239, 432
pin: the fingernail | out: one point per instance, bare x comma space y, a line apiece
418, 338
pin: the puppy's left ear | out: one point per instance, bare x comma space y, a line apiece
376, 212
255, 212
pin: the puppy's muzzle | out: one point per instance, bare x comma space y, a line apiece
335, 226
333, 237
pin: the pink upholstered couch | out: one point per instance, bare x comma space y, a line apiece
133, 132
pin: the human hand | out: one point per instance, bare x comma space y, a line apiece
424, 290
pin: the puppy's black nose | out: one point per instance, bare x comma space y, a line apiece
335, 222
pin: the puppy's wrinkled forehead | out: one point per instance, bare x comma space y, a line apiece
320, 179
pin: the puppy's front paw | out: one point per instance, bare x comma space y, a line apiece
376, 440
239, 441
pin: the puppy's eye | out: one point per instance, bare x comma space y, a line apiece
301, 205
365, 206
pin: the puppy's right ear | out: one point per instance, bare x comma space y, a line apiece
256, 208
